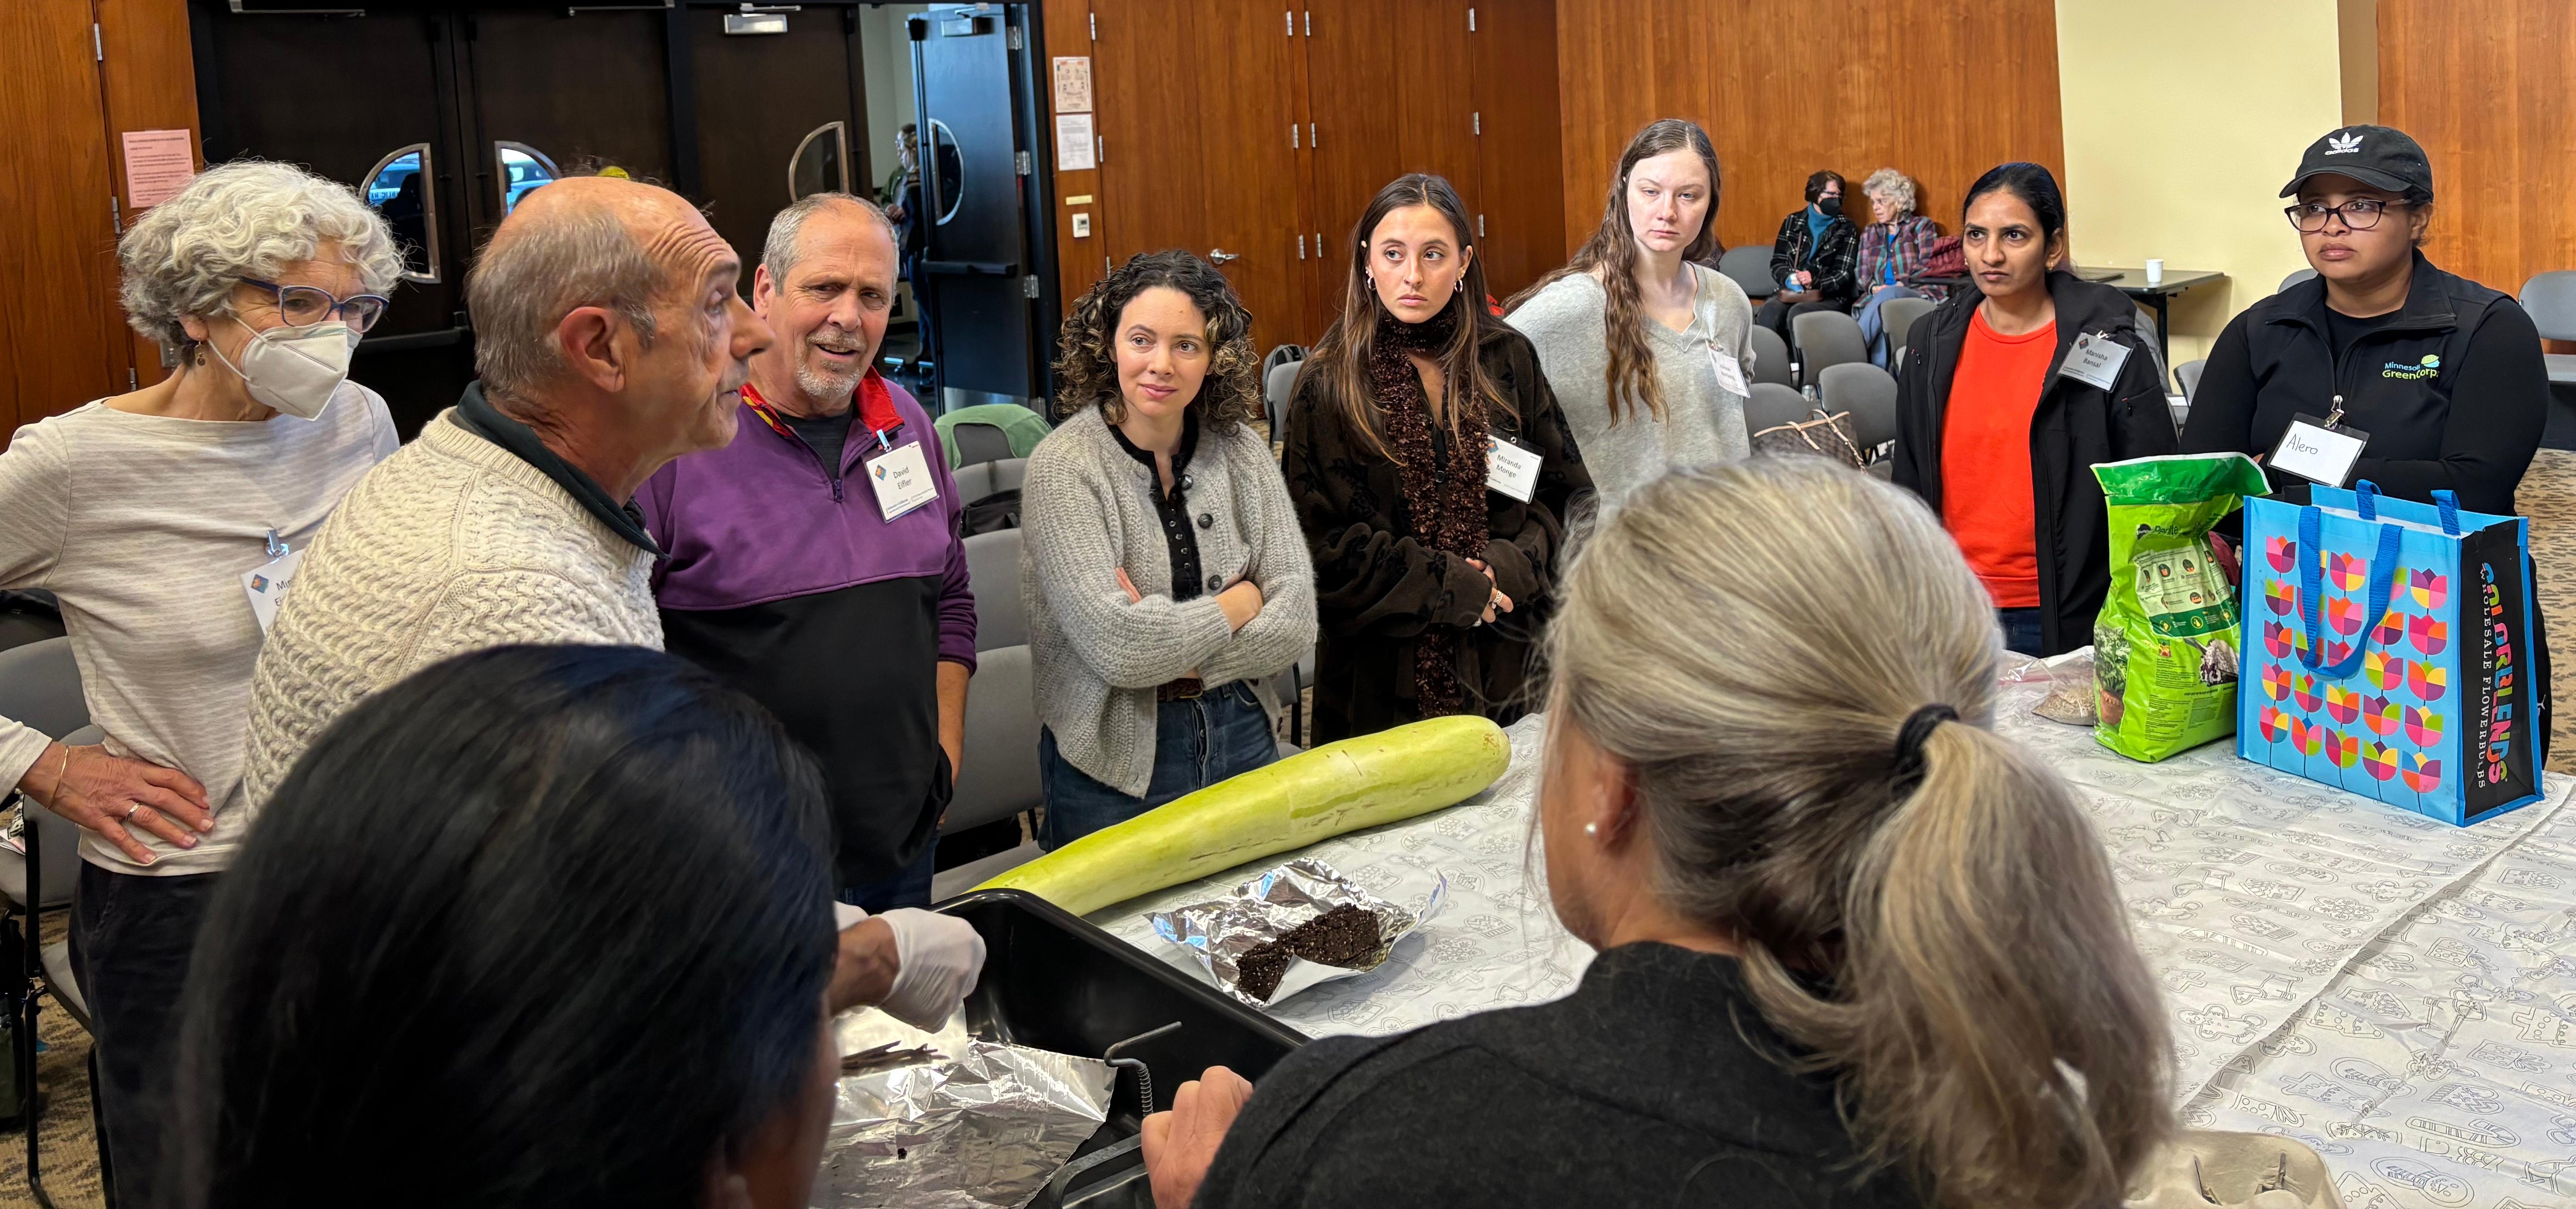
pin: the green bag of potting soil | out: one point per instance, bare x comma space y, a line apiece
2165, 645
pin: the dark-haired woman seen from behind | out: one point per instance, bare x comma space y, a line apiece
2445, 375
1162, 571
1432, 473
1649, 353
538, 926
1856, 950
1991, 402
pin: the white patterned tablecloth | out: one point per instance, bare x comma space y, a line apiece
2394, 991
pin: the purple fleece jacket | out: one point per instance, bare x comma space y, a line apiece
758, 521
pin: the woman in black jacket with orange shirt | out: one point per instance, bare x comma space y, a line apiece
1991, 404
1430, 584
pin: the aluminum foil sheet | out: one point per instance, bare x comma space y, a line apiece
943, 1120
1220, 932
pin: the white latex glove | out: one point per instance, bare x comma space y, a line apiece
938, 958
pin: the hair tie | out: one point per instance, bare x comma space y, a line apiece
1909, 743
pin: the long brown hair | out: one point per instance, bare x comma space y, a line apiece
1339, 367
1945, 938
1611, 254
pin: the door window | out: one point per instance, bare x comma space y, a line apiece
821, 163
399, 188
523, 169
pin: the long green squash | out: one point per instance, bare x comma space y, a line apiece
1315, 795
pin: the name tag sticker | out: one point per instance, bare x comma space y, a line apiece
2318, 451
1509, 468
902, 480
1730, 373
2095, 361
266, 586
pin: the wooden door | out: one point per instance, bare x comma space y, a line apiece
1519, 201
1388, 88
1195, 104
61, 334
778, 117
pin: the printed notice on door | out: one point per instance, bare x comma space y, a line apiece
1073, 84
1074, 151
158, 163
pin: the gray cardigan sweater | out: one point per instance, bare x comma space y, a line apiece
1702, 422
1087, 511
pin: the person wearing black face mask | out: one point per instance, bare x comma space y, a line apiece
1813, 256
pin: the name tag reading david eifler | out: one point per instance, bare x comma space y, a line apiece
902, 480
2095, 361
2320, 451
1510, 468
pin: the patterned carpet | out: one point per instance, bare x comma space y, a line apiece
2548, 497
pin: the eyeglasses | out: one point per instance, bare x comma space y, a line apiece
2360, 214
302, 306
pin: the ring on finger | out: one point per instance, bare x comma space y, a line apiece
130, 808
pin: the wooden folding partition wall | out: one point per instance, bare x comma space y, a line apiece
2489, 88
81, 72
1263, 130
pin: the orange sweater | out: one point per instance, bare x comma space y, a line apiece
1985, 457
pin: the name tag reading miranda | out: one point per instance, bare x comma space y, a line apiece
902, 480
1510, 468
2095, 361
2320, 451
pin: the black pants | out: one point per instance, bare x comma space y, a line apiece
1778, 315
130, 940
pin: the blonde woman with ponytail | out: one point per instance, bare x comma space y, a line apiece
1855, 949
1650, 353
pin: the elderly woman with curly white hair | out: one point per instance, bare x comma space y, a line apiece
165, 521
1894, 248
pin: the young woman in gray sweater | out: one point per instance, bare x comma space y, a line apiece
1650, 353
1163, 569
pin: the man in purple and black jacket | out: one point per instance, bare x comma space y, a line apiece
816, 562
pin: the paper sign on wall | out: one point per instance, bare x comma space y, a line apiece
1073, 84
158, 163
1073, 147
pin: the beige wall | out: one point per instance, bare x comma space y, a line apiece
2182, 120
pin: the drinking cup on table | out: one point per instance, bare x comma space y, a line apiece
2155, 272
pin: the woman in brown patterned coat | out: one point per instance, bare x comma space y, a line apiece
1433, 475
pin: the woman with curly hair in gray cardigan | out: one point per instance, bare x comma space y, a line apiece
1163, 569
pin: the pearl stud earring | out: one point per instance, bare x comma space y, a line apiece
1592, 829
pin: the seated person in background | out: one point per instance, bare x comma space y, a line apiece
539, 926
1163, 570
610, 339
1908, 925
1436, 550
836, 599
1814, 258
1999, 431
2445, 374
141, 512
1649, 353
1893, 250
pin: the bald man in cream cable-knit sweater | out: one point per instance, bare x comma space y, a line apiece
611, 339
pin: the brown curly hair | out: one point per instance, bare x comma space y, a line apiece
1086, 363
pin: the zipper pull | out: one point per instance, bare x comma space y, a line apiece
836, 489
2336, 415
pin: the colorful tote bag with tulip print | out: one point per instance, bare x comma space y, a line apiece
2390, 649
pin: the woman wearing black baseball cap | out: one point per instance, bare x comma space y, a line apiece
2438, 377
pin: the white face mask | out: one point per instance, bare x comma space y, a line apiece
294, 372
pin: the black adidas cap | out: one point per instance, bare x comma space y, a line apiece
2381, 157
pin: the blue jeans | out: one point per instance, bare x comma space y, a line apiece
1196, 744
2022, 631
1873, 328
909, 888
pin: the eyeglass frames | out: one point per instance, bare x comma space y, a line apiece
301, 306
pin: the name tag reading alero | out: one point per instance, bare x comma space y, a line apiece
2320, 451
